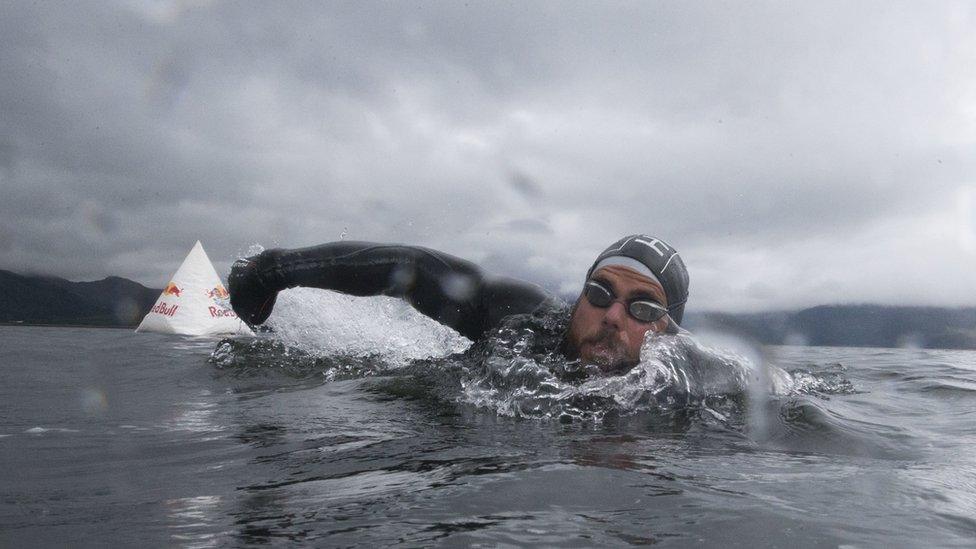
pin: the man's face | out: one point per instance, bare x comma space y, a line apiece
610, 338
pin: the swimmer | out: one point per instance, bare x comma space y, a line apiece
638, 284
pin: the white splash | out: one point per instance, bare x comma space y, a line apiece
674, 371
325, 323
42, 430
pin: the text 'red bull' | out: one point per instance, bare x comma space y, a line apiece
163, 309
216, 312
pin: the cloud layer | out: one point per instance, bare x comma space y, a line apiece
796, 154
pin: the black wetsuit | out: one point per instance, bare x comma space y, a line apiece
450, 290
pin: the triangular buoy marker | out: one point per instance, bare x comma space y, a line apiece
194, 302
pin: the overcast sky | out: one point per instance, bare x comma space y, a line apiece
795, 153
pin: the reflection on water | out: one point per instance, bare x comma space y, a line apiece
192, 521
197, 416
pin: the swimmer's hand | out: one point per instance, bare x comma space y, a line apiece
252, 290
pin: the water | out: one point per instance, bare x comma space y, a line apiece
115, 438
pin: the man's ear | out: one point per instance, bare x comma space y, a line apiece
566, 346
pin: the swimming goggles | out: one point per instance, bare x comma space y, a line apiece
642, 309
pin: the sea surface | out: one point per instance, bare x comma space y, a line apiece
359, 438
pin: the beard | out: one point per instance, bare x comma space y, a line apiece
606, 350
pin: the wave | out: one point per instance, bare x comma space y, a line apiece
321, 336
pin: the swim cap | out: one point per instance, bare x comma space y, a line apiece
645, 254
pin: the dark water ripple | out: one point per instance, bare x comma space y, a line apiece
113, 438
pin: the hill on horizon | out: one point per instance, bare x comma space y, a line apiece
852, 326
116, 301
112, 301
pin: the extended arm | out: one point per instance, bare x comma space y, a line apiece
443, 287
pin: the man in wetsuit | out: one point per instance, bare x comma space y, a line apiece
638, 284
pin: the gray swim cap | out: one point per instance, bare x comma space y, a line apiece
661, 260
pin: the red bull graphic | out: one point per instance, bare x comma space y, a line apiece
220, 312
162, 308
222, 298
172, 289
217, 292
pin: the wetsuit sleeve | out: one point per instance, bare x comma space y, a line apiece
448, 289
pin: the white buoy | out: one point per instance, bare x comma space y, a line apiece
194, 302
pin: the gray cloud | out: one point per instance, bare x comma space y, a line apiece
796, 154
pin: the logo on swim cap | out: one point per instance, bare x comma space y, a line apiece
654, 244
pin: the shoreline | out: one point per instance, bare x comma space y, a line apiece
53, 325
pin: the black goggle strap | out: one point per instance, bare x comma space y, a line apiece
673, 305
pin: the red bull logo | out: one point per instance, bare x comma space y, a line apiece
172, 289
162, 308
216, 312
217, 292
222, 297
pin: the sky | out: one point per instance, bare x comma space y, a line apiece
795, 153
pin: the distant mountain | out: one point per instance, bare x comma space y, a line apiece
116, 301
852, 326
112, 301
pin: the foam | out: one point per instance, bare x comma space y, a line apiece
42, 430
324, 323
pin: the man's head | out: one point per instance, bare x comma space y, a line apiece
636, 285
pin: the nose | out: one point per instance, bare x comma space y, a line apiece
615, 315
